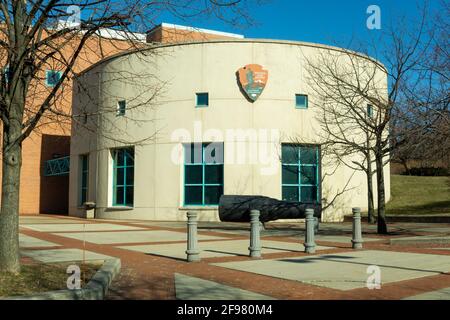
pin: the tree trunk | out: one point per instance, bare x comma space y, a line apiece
382, 225
370, 206
11, 164
9, 216
405, 166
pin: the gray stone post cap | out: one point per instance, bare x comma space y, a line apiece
255, 212
89, 205
356, 210
309, 211
191, 214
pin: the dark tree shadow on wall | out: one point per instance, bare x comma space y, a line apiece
54, 195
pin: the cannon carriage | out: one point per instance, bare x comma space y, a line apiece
233, 208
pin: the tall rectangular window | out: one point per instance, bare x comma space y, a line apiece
121, 107
7, 74
202, 99
84, 183
203, 173
301, 101
123, 177
52, 77
369, 111
300, 173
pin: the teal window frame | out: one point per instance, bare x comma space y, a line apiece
84, 179
297, 167
48, 75
202, 100
204, 165
301, 106
128, 170
121, 107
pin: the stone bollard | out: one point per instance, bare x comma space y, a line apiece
255, 240
310, 245
89, 208
357, 241
193, 254
316, 225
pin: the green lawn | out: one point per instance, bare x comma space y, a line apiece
38, 277
419, 195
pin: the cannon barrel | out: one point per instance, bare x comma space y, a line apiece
237, 208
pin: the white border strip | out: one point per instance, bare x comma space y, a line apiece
193, 29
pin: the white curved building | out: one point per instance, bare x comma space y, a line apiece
140, 115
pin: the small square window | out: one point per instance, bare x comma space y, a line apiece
301, 101
121, 107
52, 77
202, 99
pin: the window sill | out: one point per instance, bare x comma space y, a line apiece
198, 208
119, 208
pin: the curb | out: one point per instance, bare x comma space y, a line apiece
423, 240
96, 289
412, 219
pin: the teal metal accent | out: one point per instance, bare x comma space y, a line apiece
298, 168
203, 185
57, 167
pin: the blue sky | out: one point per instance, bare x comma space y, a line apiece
322, 21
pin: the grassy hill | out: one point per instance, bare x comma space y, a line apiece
419, 195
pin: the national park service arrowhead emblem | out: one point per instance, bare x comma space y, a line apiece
252, 80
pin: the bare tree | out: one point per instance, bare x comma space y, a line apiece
35, 35
357, 97
343, 115
424, 118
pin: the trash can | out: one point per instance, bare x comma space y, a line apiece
89, 207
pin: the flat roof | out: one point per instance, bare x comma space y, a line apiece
194, 29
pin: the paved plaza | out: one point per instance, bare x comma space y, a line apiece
212, 249
346, 271
154, 260
63, 255
57, 227
132, 236
31, 242
191, 288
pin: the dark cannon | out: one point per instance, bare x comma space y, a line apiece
237, 209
